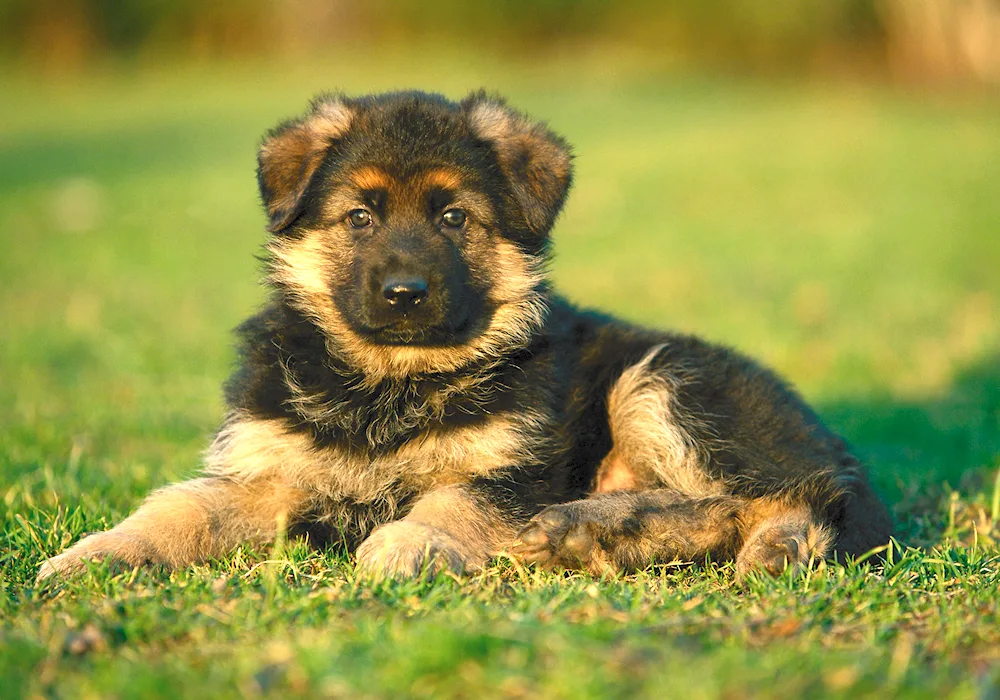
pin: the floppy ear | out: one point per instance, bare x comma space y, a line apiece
535, 161
291, 154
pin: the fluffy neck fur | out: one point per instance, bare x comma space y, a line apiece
289, 371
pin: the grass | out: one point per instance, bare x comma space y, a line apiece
846, 236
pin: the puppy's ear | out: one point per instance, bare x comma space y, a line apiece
535, 161
290, 155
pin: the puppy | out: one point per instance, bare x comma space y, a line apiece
415, 391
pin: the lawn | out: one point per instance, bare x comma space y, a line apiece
849, 236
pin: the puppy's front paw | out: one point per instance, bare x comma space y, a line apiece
561, 537
124, 552
404, 549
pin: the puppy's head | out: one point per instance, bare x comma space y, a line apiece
412, 230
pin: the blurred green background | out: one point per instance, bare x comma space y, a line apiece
814, 183
809, 182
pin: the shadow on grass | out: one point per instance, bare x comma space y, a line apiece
935, 460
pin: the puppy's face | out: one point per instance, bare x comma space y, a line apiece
413, 230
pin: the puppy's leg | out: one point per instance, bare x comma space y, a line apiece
628, 530
186, 523
456, 527
697, 452
251, 467
654, 500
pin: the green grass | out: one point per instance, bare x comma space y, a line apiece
847, 236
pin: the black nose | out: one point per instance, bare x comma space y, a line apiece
404, 293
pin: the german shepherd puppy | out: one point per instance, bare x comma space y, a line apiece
415, 390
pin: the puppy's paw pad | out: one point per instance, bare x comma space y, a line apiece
534, 537
780, 548
558, 537
777, 556
578, 544
554, 518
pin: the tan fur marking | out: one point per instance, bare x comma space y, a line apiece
614, 474
445, 179
304, 267
647, 437
371, 178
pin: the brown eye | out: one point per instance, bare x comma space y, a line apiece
360, 218
453, 218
